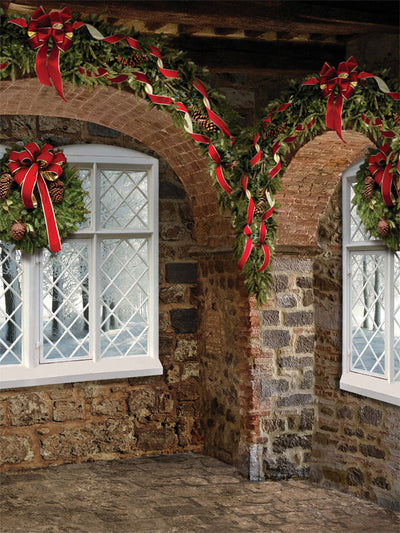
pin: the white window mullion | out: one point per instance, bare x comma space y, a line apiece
389, 316
32, 314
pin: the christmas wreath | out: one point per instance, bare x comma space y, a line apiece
41, 197
377, 196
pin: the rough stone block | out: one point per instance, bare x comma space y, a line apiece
281, 468
280, 282
181, 273
299, 318
101, 131
107, 407
369, 450
291, 361
28, 409
157, 439
295, 399
308, 297
184, 320
370, 416
276, 338
67, 410
274, 387
305, 344
345, 412
186, 350
190, 370
172, 295
354, 477
141, 403
270, 318
2, 414
166, 344
304, 282
308, 379
60, 125
283, 442
286, 300
306, 420
14, 450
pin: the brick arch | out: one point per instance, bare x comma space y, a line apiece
310, 181
123, 111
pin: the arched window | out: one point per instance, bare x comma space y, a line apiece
371, 308
90, 311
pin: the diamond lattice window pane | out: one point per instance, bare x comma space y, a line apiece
124, 199
84, 175
396, 347
368, 314
10, 306
357, 229
66, 303
124, 297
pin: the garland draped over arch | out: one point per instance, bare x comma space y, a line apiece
246, 164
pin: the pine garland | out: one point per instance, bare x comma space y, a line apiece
69, 212
307, 110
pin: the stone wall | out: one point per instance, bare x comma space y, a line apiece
103, 420
283, 374
356, 442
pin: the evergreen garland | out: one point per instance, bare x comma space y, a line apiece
307, 109
69, 213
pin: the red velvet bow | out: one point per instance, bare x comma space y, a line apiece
345, 79
42, 26
33, 166
381, 170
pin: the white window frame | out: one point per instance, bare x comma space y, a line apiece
379, 388
31, 373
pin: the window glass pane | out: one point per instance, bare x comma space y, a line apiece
10, 306
124, 297
84, 175
396, 346
124, 199
357, 229
66, 303
368, 314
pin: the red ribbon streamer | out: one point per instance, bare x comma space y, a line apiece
212, 116
381, 170
32, 167
247, 230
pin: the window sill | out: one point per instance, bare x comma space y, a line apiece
73, 372
376, 388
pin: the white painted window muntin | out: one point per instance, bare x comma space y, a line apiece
33, 373
383, 388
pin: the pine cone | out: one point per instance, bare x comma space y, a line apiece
369, 184
17, 231
133, 61
202, 120
260, 206
396, 119
56, 189
5, 185
383, 227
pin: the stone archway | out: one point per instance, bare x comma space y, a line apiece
222, 303
286, 372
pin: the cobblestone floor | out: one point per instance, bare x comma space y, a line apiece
180, 493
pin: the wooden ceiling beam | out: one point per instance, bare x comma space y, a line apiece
263, 16
236, 55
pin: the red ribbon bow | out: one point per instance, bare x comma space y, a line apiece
41, 28
33, 166
345, 79
381, 170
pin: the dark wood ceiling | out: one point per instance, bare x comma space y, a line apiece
267, 37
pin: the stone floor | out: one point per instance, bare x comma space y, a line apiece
180, 493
